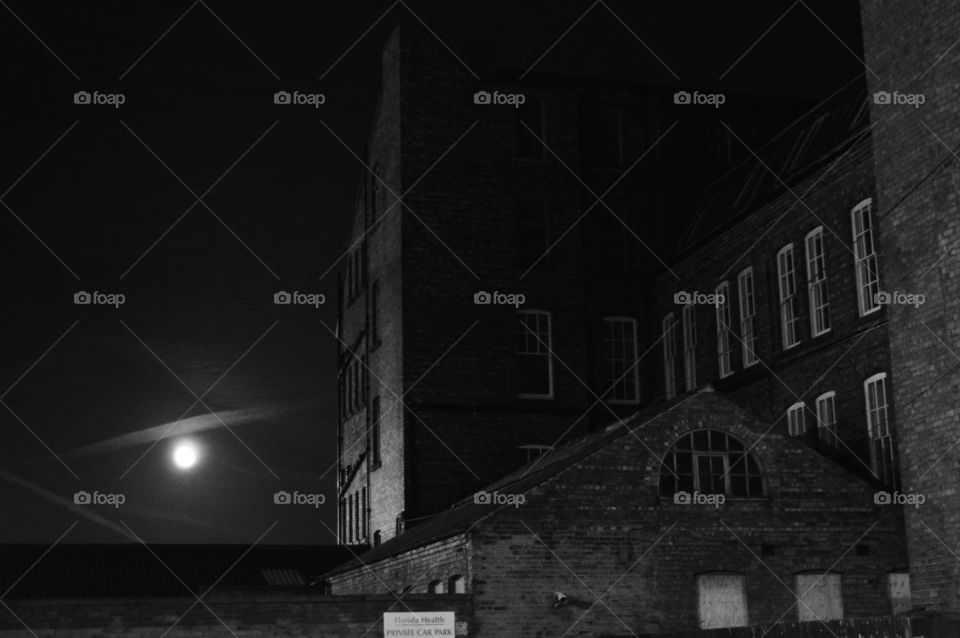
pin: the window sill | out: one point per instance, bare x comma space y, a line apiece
540, 397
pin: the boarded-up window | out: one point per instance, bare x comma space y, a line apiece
722, 600
898, 592
456, 585
819, 596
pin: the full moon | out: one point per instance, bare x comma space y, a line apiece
185, 456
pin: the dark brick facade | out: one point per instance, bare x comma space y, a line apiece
909, 50
855, 348
480, 215
600, 527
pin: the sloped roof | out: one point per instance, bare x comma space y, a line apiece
465, 514
806, 145
130, 569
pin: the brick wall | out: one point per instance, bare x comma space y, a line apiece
908, 48
415, 569
247, 615
596, 530
854, 349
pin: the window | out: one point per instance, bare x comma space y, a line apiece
621, 381
819, 597
350, 518
787, 281
456, 585
535, 362
530, 126
898, 592
376, 538
435, 587
669, 356
827, 421
748, 313
343, 521
722, 600
878, 427
724, 347
817, 283
532, 232
865, 258
375, 314
710, 462
363, 513
797, 419
608, 138
375, 433
689, 347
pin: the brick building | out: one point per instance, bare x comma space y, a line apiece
789, 241
909, 49
432, 382
600, 518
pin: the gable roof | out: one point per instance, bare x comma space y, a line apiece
132, 570
465, 514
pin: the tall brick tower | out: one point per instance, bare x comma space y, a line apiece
914, 73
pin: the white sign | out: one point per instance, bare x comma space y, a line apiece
418, 623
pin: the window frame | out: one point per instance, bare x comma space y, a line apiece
831, 427
813, 285
724, 342
548, 354
669, 481
689, 326
669, 327
787, 300
610, 322
797, 408
865, 305
748, 327
376, 459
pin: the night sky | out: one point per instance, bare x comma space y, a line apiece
98, 198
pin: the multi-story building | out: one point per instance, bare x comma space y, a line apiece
775, 299
501, 270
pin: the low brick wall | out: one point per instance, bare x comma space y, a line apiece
301, 614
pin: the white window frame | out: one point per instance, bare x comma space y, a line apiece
883, 440
865, 263
817, 282
689, 347
547, 353
799, 408
748, 313
830, 426
669, 326
788, 294
609, 323
724, 345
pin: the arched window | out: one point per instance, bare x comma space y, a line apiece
710, 462
435, 587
